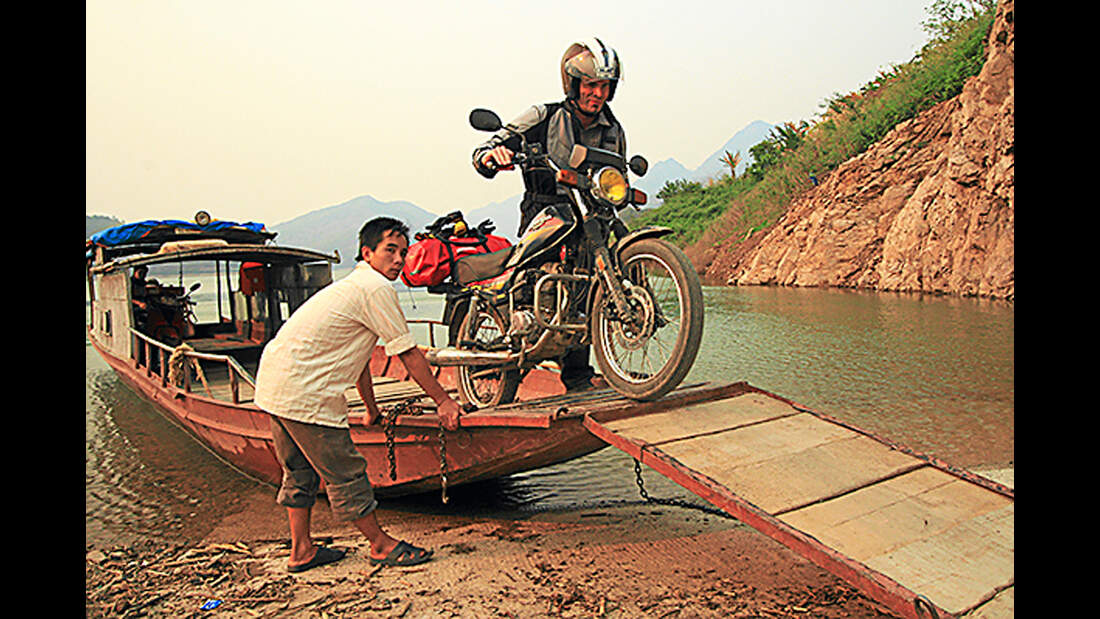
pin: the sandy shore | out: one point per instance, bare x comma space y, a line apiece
636, 560
625, 561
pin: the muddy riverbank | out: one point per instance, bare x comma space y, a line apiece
624, 561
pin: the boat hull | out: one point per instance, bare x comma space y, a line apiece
240, 435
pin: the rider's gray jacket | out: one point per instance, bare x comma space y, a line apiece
554, 127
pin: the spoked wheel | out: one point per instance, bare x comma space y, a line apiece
485, 386
647, 357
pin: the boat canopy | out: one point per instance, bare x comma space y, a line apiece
152, 230
158, 241
191, 251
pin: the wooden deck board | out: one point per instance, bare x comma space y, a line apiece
957, 567
387, 391
745, 446
702, 418
895, 512
931, 532
747, 442
928, 530
793, 478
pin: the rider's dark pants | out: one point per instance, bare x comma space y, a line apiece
576, 372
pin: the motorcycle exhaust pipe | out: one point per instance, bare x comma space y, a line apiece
457, 357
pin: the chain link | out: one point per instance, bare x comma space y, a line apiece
672, 502
923, 607
389, 424
443, 461
410, 406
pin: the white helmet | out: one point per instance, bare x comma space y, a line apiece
592, 60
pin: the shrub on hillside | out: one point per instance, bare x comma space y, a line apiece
795, 154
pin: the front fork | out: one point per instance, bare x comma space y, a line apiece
605, 268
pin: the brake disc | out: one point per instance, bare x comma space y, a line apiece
633, 335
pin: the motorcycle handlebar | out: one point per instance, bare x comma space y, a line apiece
518, 159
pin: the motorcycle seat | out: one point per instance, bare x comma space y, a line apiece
476, 267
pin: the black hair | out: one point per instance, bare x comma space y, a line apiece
370, 235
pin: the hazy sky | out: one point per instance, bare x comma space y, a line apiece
265, 110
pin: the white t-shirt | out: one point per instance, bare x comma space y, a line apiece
322, 350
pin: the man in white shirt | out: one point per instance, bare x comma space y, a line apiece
325, 346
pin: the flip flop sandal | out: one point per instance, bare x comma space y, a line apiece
404, 554
324, 556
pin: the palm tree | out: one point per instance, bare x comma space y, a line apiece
732, 161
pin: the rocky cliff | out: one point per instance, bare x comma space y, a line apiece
929, 208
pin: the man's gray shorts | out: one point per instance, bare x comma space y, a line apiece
310, 453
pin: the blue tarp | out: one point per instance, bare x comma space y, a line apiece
129, 233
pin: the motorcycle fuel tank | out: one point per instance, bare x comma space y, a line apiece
547, 228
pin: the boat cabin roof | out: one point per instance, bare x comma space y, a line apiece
162, 241
216, 249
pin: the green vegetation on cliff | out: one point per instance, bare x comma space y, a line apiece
797, 153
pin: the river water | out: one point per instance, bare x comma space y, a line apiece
933, 373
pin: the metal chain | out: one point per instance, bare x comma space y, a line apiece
389, 424
409, 406
443, 460
922, 606
672, 502
388, 427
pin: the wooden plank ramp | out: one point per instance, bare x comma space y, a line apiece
920, 537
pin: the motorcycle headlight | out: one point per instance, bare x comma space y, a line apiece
610, 185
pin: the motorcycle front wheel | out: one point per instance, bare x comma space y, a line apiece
646, 358
484, 386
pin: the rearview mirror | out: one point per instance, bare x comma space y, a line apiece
639, 165
485, 120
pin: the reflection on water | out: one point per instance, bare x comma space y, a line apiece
144, 477
934, 373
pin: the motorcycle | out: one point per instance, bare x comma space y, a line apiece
637, 300
170, 316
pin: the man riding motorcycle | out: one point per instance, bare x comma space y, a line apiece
590, 73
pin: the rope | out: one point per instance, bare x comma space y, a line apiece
176, 368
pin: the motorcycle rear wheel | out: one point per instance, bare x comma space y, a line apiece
484, 386
645, 361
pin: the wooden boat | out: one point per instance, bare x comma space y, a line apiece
200, 375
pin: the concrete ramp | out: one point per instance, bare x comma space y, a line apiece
920, 537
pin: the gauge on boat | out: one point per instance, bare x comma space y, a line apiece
202, 218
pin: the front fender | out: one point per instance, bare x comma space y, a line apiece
648, 232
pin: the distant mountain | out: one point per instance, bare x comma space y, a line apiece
337, 227
712, 166
659, 174
504, 215
97, 223
755, 132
